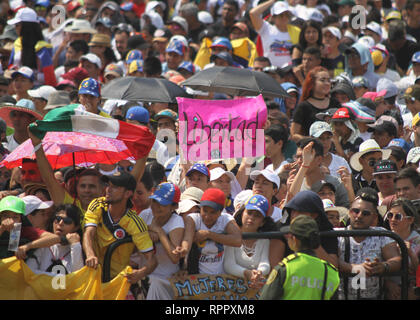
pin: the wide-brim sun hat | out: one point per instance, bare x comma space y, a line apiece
23, 105
367, 146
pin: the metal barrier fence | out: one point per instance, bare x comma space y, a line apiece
106, 268
354, 233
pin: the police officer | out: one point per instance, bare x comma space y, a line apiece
301, 276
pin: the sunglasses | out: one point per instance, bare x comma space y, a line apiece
365, 213
66, 220
372, 162
397, 216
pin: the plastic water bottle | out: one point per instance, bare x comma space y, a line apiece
15, 237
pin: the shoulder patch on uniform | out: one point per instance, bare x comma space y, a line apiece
272, 276
291, 257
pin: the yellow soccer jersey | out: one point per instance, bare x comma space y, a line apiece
130, 222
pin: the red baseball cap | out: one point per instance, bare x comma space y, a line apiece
76, 74
213, 198
342, 114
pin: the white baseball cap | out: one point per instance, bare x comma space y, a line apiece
375, 27
413, 155
280, 7
318, 128
335, 31
93, 58
24, 71
216, 173
43, 92
268, 174
241, 198
24, 15
33, 203
205, 17
186, 205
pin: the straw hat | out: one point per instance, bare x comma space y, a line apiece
100, 39
367, 146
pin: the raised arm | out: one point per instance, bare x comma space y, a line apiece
255, 14
55, 189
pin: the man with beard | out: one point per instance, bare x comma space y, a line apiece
111, 218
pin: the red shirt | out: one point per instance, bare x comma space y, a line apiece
31, 233
139, 9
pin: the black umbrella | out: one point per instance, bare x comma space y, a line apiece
143, 89
236, 82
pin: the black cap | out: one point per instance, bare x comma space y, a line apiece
121, 179
306, 201
385, 166
137, 42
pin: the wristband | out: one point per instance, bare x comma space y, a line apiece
386, 265
307, 167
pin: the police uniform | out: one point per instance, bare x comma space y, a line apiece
302, 276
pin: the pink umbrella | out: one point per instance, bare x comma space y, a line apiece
64, 149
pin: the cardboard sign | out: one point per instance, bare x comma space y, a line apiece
221, 129
212, 287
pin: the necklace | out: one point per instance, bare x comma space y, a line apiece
319, 99
249, 251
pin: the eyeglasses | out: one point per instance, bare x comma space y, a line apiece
397, 216
66, 220
365, 213
372, 162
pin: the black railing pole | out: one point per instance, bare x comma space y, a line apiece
106, 268
353, 233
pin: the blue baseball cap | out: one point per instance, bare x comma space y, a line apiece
221, 42
176, 46
90, 86
43, 3
222, 55
200, 167
127, 6
416, 57
399, 143
133, 55
187, 65
139, 114
166, 193
259, 203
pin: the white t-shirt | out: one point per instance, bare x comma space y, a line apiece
370, 248
211, 253
11, 143
278, 215
276, 44
336, 163
165, 267
277, 171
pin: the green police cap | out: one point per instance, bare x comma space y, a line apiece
303, 227
12, 203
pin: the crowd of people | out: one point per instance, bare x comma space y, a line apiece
343, 147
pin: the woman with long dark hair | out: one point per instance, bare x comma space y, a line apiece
315, 98
310, 36
30, 49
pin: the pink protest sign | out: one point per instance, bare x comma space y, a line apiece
221, 129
